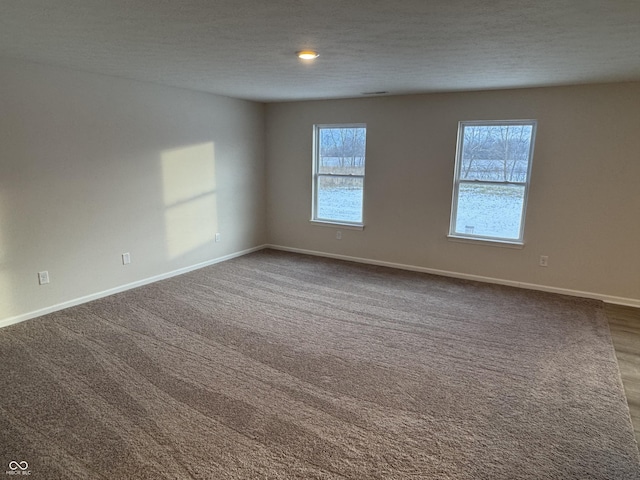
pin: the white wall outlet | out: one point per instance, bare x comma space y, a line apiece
126, 258
43, 277
217, 237
544, 261
339, 235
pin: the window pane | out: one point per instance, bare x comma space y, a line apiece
490, 210
498, 153
342, 150
340, 199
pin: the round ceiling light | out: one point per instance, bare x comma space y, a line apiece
308, 54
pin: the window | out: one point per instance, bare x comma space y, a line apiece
338, 173
493, 166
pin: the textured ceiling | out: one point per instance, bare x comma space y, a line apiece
245, 48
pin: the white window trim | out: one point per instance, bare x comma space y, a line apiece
473, 238
315, 175
486, 241
346, 226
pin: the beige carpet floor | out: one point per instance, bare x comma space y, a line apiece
282, 366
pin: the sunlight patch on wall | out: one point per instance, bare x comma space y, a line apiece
189, 190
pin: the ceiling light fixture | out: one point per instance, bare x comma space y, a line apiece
308, 54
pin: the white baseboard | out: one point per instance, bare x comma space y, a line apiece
94, 296
630, 302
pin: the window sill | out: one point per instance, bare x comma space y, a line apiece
486, 241
327, 223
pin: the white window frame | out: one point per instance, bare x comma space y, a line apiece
457, 181
317, 175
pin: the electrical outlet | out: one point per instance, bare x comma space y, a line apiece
43, 277
217, 237
126, 258
338, 235
544, 261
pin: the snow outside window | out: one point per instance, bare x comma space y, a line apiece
491, 182
338, 173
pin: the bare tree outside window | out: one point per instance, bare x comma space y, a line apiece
493, 166
339, 165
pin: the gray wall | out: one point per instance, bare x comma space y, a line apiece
584, 202
94, 166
